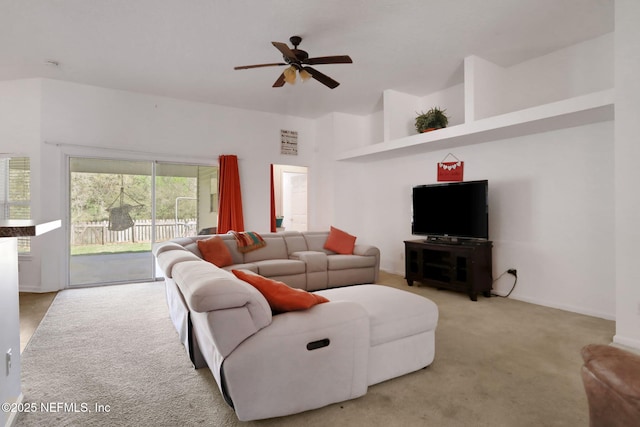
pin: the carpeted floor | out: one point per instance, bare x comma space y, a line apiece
499, 362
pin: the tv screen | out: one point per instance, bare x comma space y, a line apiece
455, 210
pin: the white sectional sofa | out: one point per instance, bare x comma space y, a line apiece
299, 259
269, 365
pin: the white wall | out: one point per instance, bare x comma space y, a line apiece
322, 202
551, 198
20, 135
10, 322
579, 69
485, 89
627, 173
576, 70
550, 208
87, 120
19, 116
399, 114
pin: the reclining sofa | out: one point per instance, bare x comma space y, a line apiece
267, 364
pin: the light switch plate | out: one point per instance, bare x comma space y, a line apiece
8, 359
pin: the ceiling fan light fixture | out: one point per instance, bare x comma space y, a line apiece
290, 75
305, 75
298, 61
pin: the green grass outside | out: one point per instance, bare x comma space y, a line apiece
115, 248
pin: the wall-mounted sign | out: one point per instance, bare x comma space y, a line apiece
450, 171
289, 142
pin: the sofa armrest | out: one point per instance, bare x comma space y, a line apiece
169, 256
366, 250
302, 360
206, 287
160, 247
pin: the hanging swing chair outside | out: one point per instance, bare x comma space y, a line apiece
119, 216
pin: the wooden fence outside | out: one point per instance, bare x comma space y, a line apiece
98, 233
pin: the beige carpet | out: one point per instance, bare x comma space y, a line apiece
499, 362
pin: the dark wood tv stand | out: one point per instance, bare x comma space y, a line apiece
463, 265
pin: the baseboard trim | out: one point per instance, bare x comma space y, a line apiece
565, 307
627, 342
34, 289
545, 303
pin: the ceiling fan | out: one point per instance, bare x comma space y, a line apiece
298, 60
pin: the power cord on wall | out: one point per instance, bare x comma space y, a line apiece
514, 273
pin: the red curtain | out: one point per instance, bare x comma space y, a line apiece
273, 204
230, 205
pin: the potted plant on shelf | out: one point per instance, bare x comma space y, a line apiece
433, 119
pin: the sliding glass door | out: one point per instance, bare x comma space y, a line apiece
186, 200
119, 208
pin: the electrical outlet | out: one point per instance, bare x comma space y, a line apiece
8, 359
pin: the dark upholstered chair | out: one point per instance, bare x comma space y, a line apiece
611, 378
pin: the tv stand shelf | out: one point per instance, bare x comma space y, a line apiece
463, 266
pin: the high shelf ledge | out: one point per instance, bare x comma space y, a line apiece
578, 111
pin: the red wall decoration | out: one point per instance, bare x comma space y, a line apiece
452, 170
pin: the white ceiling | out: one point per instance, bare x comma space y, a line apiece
187, 48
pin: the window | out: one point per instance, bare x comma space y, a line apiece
15, 193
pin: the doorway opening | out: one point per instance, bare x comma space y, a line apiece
290, 197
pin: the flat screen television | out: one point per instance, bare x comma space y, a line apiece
451, 210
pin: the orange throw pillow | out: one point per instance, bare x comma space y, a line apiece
281, 298
215, 251
340, 242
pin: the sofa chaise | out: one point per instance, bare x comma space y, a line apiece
268, 364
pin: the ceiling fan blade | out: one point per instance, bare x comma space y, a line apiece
322, 78
246, 67
286, 51
280, 81
338, 59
